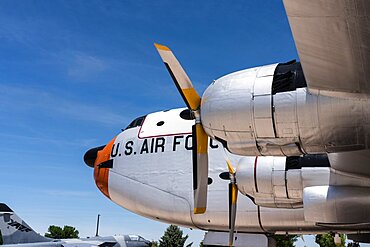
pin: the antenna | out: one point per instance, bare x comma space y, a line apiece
97, 226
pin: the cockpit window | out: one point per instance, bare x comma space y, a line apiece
137, 122
134, 237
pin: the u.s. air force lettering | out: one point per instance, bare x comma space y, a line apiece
156, 145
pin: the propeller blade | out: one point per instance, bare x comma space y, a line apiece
180, 78
232, 214
230, 167
200, 168
200, 138
233, 197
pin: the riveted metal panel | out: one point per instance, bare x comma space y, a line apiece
267, 70
245, 176
332, 42
227, 104
341, 123
264, 175
262, 86
263, 116
262, 102
285, 114
262, 106
294, 184
278, 179
336, 204
269, 188
308, 121
263, 127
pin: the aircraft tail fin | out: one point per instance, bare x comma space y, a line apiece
14, 230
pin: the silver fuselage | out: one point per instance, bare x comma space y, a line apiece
151, 175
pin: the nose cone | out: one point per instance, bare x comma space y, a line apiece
91, 155
101, 172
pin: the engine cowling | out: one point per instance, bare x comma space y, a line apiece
267, 110
327, 196
268, 182
279, 182
238, 109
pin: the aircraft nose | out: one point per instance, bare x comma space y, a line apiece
91, 155
102, 165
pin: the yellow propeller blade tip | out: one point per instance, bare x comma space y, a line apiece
199, 210
161, 47
230, 167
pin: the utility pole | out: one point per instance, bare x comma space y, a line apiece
97, 226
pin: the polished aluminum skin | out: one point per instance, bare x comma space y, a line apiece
241, 110
332, 40
156, 182
267, 181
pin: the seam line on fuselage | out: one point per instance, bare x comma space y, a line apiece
273, 114
255, 174
286, 183
259, 219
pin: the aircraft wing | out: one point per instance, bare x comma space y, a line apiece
332, 39
355, 162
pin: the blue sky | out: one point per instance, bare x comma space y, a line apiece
73, 73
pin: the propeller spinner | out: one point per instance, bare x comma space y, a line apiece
200, 138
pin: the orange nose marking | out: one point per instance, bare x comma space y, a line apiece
101, 175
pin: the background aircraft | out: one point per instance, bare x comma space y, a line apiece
16, 232
314, 117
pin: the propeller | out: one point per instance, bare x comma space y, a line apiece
200, 141
233, 197
200, 138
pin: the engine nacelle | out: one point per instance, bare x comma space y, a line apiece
337, 204
279, 182
268, 111
327, 196
268, 182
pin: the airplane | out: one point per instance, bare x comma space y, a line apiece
16, 232
292, 138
